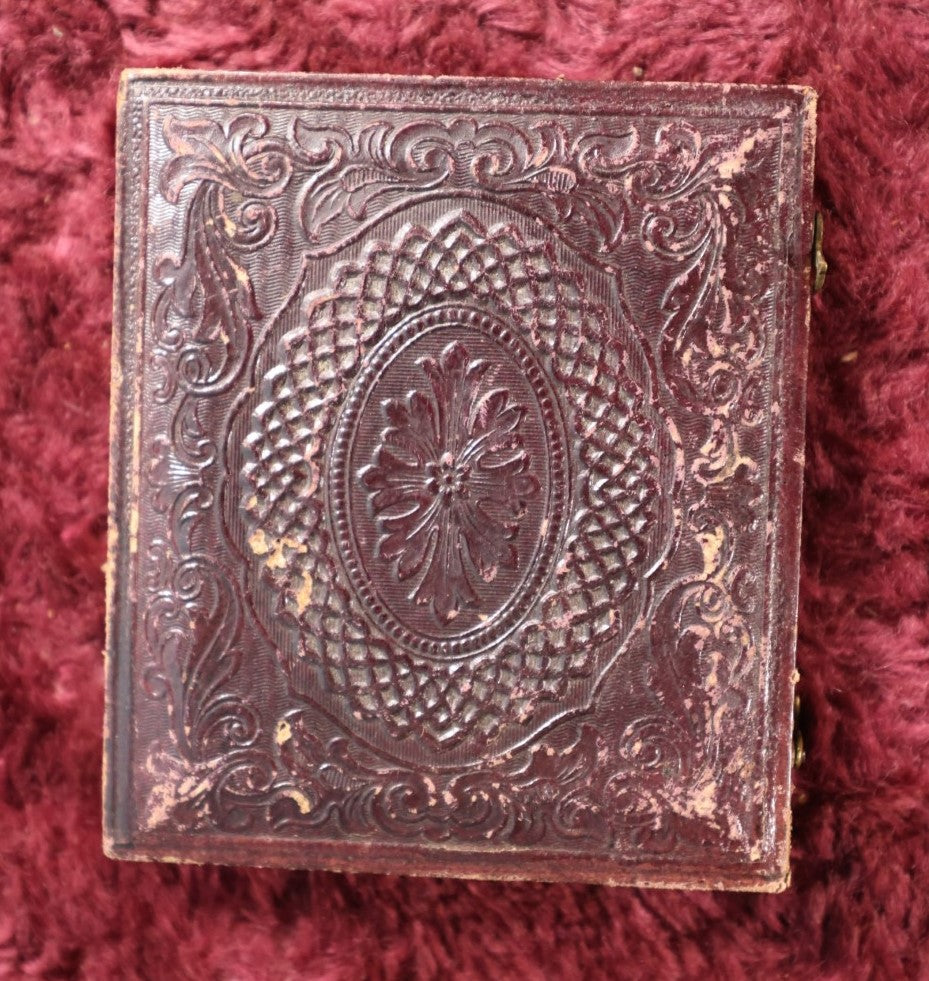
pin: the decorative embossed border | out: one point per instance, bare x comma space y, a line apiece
138, 92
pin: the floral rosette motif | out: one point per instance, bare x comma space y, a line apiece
450, 481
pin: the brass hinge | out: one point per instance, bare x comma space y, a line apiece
818, 259
799, 751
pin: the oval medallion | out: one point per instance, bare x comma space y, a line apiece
448, 481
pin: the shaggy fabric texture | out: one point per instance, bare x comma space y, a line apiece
859, 905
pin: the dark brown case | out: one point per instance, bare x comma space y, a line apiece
457, 443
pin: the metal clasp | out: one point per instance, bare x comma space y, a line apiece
799, 751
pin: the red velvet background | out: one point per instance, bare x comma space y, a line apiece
860, 900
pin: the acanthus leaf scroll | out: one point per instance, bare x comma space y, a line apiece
203, 318
355, 181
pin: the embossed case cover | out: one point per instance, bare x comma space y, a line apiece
456, 473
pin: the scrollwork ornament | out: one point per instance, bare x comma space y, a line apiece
356, 180
204, 313
686, 755
691, 211
543, 793
202, 321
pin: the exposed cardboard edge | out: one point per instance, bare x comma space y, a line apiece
108, 777
364, 859
491, 81
791, 533
118, 466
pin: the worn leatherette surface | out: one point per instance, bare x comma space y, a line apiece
457, 454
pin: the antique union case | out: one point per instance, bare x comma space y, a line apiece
457, 444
